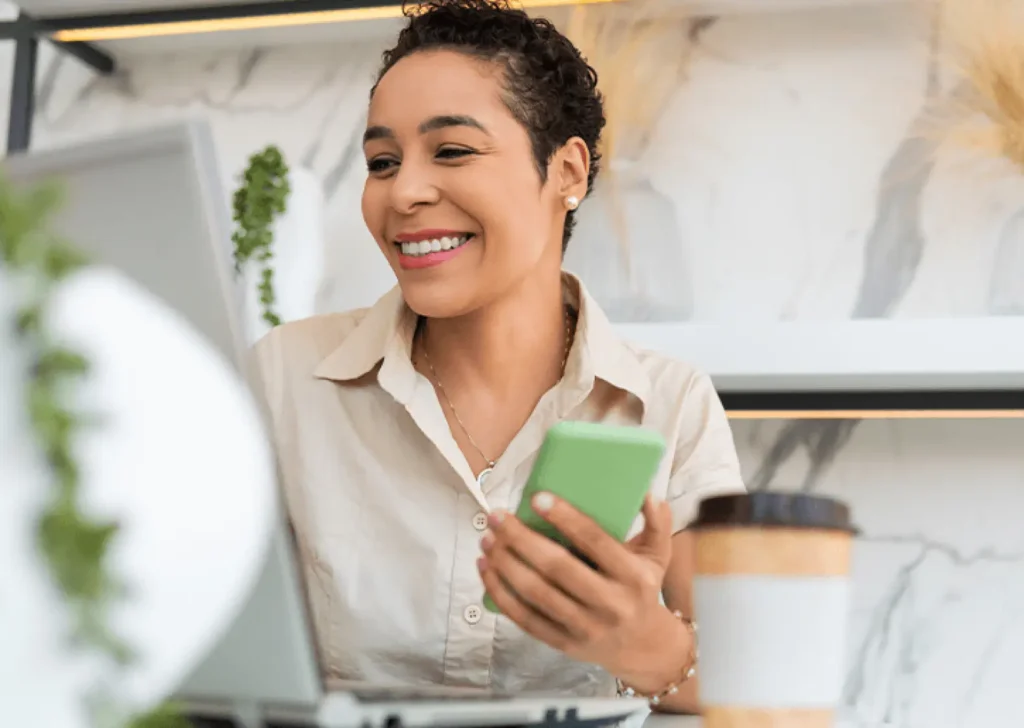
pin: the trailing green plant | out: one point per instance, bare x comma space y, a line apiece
74, 545
261, 198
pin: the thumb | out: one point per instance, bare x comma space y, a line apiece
656, 537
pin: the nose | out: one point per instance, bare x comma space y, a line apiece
413, 186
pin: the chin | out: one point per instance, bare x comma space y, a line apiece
435, 299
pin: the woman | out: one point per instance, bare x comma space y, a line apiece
407, 430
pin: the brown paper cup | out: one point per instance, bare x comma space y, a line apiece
771, 597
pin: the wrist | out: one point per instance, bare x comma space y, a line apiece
664, 654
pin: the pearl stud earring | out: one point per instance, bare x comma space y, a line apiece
572, 202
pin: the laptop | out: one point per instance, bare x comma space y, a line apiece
151, 205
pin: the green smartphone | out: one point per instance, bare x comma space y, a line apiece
604, 471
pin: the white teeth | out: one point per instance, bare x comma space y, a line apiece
436, 245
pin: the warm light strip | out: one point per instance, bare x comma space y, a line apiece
286, 20
874, 414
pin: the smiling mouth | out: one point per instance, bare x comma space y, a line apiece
421, 248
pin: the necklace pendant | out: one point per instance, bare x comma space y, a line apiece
484, 475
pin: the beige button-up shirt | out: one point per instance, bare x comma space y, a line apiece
388, 514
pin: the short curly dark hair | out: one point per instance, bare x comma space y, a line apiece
549, 87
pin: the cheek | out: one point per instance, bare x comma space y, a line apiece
373, 208
518, 219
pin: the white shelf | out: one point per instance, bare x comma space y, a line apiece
866, 355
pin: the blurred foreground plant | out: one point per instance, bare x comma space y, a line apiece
74, 545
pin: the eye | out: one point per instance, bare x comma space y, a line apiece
450, 153
379, 165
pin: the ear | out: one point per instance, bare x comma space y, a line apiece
570, 169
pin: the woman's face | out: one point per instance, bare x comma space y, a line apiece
452, 195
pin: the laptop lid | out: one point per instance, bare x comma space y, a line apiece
151, 205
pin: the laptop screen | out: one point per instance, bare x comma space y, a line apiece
150, 204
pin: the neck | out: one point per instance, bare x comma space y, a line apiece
513, 345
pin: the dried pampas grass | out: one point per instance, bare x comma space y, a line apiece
640, 50
986, 42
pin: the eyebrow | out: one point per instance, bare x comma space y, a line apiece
432, 124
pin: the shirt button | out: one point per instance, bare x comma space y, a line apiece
472, 614
480, 521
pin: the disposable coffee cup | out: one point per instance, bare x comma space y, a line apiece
771, 596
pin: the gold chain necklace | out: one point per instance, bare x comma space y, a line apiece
482, 477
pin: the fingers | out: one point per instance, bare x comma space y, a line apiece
556, 598
529, 620
533, 592
656, 538
542, 571
610, 556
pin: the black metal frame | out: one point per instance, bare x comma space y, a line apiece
26, 32
23, 95
874, 401
207, 12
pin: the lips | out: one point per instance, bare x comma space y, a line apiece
430, 248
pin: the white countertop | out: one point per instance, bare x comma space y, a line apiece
659, 720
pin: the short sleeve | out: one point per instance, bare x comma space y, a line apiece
705, 462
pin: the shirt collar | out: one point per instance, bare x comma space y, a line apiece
385, 334
598, 351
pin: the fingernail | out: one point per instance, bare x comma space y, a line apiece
481, 564
487, 541
543, 502
496, 518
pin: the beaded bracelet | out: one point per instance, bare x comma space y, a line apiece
673, 687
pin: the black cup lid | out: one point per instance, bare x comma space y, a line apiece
773, 508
